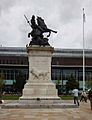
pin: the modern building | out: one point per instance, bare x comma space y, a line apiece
13, 60
70, 61
65, 62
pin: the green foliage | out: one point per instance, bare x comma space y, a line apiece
71, 83
57, 82
20, 81
88, 84
10, 97
67, 97
1, 84
58, 86
16, 97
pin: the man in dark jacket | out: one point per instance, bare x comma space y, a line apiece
90, 97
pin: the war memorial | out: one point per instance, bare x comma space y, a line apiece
39, 90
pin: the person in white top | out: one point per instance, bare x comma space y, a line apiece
75, 93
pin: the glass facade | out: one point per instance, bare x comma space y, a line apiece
63, 74
64, 63
13, 60
11, 74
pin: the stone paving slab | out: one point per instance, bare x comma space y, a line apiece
82, 113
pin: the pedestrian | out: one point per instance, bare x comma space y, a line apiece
90, 97
75, 94
83, 96
1, 101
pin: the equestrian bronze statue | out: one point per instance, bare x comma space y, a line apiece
38, 29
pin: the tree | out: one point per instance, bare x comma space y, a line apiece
88, 84
71, 83
58, 86
20, 81
2, 82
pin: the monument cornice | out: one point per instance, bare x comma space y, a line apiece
40, 48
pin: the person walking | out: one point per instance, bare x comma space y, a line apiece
90, 97
75, 93
83, 96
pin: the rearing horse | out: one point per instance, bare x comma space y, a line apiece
42, 26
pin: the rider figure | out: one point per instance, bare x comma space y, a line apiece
38, 30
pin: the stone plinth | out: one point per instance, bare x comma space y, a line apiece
39, 87
39, 91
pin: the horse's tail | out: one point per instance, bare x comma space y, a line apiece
50, 30
53, 31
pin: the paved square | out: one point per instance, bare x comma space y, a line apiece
81, 113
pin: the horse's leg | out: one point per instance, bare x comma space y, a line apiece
49, 34
29, 34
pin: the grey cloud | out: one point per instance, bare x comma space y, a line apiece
65, 16
6, 4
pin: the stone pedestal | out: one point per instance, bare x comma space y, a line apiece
39, 87
39, 91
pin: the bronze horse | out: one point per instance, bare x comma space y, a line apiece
37, 31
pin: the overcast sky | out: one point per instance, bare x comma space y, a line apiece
64, 16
